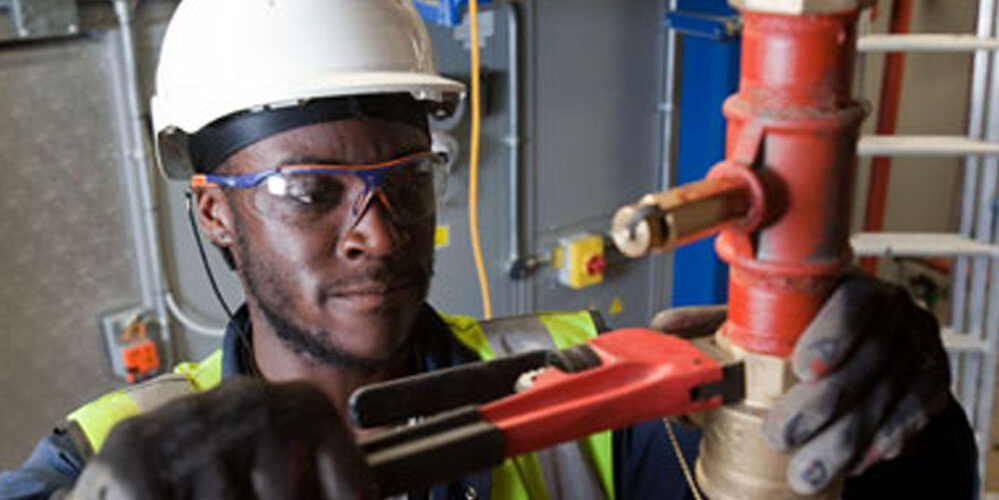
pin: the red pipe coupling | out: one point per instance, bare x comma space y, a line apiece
793, 126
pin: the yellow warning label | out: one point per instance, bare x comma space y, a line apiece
442, 236
616, 306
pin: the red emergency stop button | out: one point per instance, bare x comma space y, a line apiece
596, 265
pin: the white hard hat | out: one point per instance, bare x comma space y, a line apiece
221, 57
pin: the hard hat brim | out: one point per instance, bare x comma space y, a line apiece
172, 131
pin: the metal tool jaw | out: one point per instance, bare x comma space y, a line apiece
471, 417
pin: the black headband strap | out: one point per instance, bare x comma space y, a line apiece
219, 140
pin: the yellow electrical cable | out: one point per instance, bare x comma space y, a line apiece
473, 175
473, 210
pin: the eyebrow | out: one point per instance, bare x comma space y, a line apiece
306, 160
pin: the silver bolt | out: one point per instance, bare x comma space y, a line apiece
471, 494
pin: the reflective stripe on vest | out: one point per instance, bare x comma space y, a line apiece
98, 418
572, 470
581, 470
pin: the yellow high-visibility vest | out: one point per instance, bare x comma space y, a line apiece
580, 470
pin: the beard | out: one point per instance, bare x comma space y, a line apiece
266, 286
319, 345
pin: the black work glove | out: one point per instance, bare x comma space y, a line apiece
873, 372
245, 439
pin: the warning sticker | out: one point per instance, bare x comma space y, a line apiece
442, 236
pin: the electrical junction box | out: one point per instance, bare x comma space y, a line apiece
132, 336
444, 12
580, 260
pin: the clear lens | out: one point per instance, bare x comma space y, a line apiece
412, 190
304, 197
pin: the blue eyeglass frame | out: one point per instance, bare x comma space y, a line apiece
373, 176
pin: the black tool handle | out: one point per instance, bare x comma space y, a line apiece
448, 446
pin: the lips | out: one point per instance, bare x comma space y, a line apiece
370, 288
370, 297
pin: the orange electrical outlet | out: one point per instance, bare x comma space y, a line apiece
141, 360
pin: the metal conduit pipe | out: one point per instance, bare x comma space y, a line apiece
190, 323
668, 105
513, 138
136, 170
660, 289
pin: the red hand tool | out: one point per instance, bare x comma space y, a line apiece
474, 418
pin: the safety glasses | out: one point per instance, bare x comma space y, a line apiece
309, 194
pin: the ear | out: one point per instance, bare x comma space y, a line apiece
215, 217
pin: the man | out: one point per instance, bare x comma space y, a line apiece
301, 125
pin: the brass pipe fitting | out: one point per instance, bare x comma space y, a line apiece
734, 462
662, 221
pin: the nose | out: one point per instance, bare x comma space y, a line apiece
373, 233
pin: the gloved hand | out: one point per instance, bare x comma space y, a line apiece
873, 372
246, 439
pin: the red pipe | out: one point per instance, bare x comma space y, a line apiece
891, 93
794, 126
